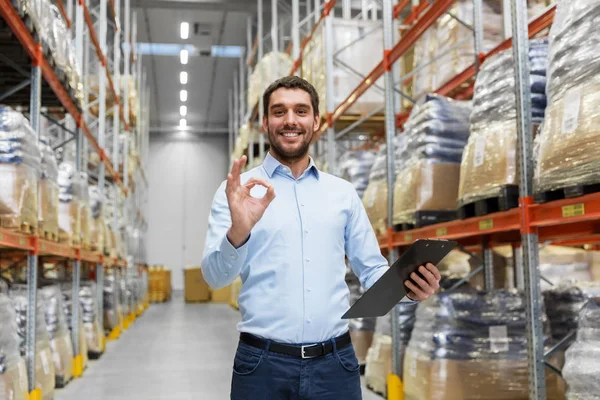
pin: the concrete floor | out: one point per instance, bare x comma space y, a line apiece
175, 351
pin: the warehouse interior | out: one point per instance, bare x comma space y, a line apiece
473, 122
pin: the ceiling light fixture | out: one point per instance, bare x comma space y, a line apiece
182, 123
183, 95
185, 30
183, 77
183, 111
183, 56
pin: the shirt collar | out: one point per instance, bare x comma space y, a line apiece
271, 164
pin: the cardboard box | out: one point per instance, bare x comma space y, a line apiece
379, 363
222, 295
196, 288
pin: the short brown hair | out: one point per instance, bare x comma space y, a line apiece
291, 82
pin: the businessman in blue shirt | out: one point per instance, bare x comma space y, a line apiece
286, 228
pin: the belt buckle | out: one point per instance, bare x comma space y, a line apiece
303, 348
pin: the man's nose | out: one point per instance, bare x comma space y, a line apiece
290, 118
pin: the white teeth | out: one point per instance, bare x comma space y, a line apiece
293, 134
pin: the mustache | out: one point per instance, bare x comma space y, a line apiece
291, 130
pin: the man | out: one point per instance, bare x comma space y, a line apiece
289, 247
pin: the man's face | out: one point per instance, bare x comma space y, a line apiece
290, 123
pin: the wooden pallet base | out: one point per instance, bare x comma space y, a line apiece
508, 199
50, 236
17, 225
425, 218
566, 193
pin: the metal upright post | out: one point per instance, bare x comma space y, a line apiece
374, 11
390, 132
78, 364
506, 19
346, 9
236, 106
32, 257
317, 14
365, 10
529, 237
230, 125
274, 37
329, 50
478, 30
488, 264
259, 35
518, 267
295, 29
127, 72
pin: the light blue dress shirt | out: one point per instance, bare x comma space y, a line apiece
293, 264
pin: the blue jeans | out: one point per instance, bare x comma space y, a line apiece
259, 374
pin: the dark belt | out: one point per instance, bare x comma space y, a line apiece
307, 351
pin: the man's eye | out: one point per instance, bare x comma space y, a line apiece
278, 113
301, 112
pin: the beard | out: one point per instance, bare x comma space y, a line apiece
290, 155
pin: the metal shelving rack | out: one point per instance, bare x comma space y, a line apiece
570, 222
87, 131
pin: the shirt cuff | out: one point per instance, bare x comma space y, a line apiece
406, 299
231, 254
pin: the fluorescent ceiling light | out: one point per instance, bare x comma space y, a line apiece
183, 56
185, 30
183, 95
183, 111
183, 77
182, 123
226, 51
172, 49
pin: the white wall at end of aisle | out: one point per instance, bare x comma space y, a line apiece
183, 177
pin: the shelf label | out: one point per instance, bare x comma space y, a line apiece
22, 241
486, 224
408, 237
571, 106
441, 232
1, 237
574, 210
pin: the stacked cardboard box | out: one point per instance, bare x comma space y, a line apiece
195, 287
159, 284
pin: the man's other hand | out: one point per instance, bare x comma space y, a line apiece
425, 288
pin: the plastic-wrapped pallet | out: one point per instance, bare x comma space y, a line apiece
59, 334
489, 161
97, 223
48, 191
67, 294
268, 69
357, 44
44, 367
375, 195
20, 170
85, 213
69, 207
112, 305
361, 329
563, 304
583, 357
355, 167
91, 322
567, 154
434, 138
13, 373
471, 345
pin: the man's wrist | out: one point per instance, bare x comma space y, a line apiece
237, 238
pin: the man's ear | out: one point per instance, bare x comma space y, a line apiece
265, 123
317, 122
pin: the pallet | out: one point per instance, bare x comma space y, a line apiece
376, 390
61, 383
50, 236
508, 199
16, 224
566, 193
425, 218
94, 355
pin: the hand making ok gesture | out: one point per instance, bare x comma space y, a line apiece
245, 210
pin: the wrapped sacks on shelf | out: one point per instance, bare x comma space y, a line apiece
112, 306
361, 329
355, 167
567, 154
59, 334
97, 223
564, 265
91, 322
489, 160
434, 138
20, 160
13, 373
67, 295
375, 195
268, 69
85, 212
44, 367
582, 365
563, 304
69, 207
48, 192
471, 345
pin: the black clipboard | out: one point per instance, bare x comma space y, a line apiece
390, 289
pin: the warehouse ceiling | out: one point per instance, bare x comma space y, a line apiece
219, 23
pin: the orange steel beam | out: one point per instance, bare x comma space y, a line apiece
416, 12
399, 7
567, 211
61, 8
407, 40
93, 36
15, 240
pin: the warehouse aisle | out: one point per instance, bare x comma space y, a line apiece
175, 351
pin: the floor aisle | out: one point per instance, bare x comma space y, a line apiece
175, 351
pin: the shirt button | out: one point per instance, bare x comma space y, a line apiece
308, 260
306, 231
309, 320
309, 289
302, 204
226, 273
232, 256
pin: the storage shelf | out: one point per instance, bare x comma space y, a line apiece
33, 50
573, 222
